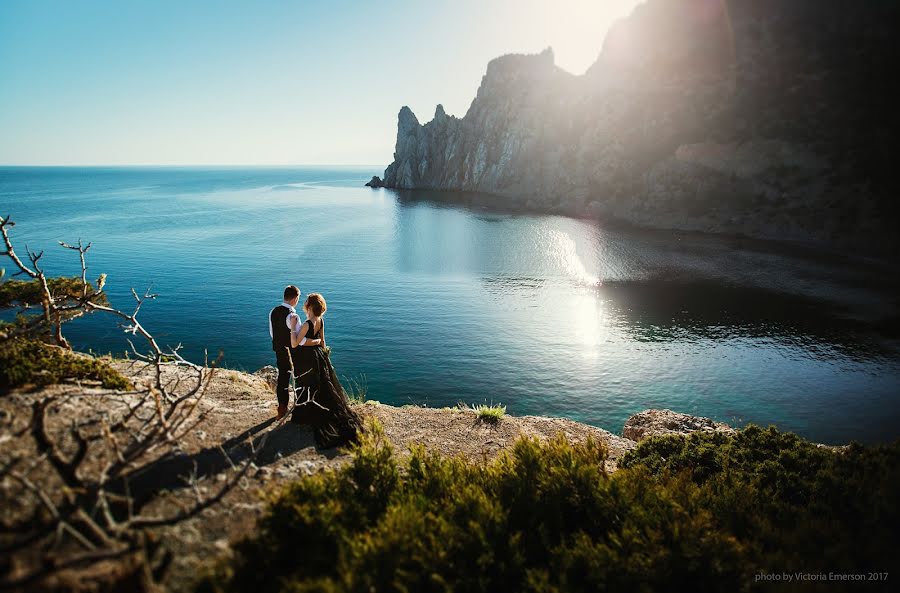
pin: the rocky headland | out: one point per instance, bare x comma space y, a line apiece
760, 118
239, 406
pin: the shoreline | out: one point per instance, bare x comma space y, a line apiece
813, 249
860, 283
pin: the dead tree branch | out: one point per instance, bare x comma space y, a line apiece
77, 500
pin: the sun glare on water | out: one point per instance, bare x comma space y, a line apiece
563, 249
583, 311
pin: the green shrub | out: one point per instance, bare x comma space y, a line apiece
801, 506
542, 517
26, 362
64, 289
698, 513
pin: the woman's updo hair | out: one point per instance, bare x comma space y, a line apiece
316, 304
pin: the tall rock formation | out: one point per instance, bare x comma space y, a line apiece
771, 118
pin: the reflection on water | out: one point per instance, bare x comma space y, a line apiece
435, 303
596, 320
668, 310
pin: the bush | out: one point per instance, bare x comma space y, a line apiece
25, 362
702, 513
801, 506
64, 289
542, 517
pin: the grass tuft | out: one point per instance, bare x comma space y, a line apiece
489, 413
356, 388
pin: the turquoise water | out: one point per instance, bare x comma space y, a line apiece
430, 303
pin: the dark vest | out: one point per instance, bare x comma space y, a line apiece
281, 333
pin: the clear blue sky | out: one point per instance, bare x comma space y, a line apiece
264, 82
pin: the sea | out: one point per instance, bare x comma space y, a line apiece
434, 303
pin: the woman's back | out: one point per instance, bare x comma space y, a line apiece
313, 330
304, 357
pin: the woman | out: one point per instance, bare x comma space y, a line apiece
306, 337
321, 400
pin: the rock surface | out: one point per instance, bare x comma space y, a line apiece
269, 374
756, 117
651, 423
375, 182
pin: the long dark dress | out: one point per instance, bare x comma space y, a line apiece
304, 358
333, 420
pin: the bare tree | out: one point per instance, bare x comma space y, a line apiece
73, 500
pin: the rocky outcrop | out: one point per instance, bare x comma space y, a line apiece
375, 182
770, 119
269, 374
650, 423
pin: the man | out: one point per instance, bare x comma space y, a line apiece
283, 319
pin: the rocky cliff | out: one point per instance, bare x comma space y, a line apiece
761, 117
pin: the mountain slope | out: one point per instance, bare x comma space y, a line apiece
760, 117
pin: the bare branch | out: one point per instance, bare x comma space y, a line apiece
10, 252
136, 327
96, 507
81, 249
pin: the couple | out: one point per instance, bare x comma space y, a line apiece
304, 370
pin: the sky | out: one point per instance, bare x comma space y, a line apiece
189, 82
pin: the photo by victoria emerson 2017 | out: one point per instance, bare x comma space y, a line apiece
449, 296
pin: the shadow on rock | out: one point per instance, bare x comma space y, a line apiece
176, 471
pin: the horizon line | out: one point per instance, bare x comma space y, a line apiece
88, 165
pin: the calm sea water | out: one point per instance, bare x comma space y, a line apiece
434, 304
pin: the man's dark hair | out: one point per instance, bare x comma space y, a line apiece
291, 292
